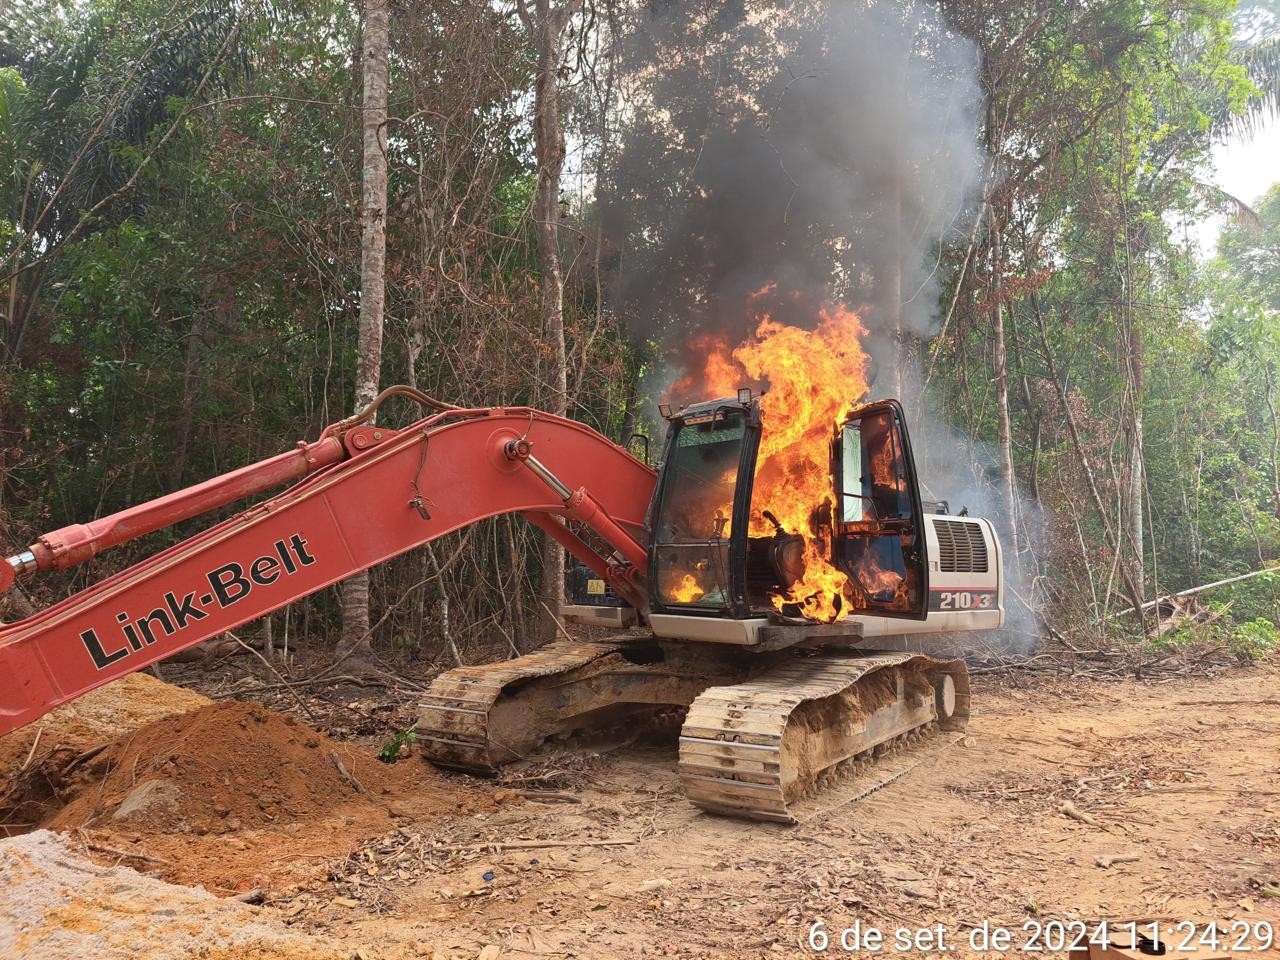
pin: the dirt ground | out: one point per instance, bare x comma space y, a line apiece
73, 909
1066, 800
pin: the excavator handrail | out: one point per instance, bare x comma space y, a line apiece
368, 413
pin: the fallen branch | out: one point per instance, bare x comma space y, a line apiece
270, 666
556, 620
32, 752
1004, 665
1069, 809
344, 680
558, 796
1228, 703
347, 775
498, 847
87, 755
215, 648
1206, 788
126, 854
1110, 859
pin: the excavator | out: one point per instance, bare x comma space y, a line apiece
692, 601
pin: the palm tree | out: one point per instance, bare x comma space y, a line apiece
84, 112
1257, 24
1262, 60
1258, 50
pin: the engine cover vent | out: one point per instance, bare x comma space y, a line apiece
961, 546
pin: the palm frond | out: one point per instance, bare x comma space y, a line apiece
1262, 61
1218, 200
93, 96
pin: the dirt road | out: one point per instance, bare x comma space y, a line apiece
1175, 785
1086, 800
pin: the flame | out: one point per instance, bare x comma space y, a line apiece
722, 518
875, 579
709, 365
814, 377
688, 590
886, 465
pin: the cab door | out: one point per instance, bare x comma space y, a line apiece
879, 521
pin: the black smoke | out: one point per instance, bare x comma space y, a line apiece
830, 148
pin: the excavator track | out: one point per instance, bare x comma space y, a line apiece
483, 717
759, 749
454, 714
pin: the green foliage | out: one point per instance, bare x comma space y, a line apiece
1248, 267
204, 316
1117, 336
1248, 639
392, 751
1257, 598
1255, 639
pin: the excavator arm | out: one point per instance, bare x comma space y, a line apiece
367, 494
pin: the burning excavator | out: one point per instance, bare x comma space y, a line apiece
778, 574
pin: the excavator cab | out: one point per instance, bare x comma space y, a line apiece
716, 552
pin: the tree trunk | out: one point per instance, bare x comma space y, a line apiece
1135, 494
1137, 529
993, 138
1269, 373
373, 249
187, 410
630, 410
545, 26
268, 639
1114, 540
1004, 431
15, 605
894, 293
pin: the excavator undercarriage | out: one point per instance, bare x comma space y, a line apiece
761, 731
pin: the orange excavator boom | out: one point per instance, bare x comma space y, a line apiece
368, 494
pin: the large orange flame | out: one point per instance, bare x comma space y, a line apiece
813, 377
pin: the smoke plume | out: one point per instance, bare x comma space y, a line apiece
829, 148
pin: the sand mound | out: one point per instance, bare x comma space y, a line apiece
57, 905
37, 761
98, 716
228, 795
223, 767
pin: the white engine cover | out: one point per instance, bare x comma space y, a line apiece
966, 591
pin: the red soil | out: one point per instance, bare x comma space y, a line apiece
229, 795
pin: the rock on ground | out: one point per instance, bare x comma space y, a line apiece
55, 904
